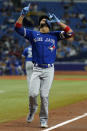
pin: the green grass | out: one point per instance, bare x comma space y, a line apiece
14, 99
67, 92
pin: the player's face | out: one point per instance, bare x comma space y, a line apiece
43, 26
43, 21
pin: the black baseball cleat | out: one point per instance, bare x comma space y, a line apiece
30, 116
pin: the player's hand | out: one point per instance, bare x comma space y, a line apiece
25, 10
48, 23
54, 19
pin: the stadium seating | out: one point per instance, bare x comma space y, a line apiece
75, 14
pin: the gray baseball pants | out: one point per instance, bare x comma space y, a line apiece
29, 71
41, 81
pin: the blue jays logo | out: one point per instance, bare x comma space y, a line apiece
52, 47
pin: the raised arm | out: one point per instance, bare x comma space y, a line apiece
69, 34
24, 12
19, 27
20, 20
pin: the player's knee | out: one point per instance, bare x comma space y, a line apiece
44, 95
44, 100
33, 94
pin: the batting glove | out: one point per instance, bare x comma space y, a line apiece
48, 23
54, 19
25, 10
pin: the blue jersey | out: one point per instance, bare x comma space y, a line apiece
43, 44
27, 53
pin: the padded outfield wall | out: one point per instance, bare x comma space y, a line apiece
70, 66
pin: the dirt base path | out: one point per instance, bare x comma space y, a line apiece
55, 117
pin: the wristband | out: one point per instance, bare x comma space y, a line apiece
67, 28
18, 25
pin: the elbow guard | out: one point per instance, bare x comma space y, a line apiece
64, 35
68, 35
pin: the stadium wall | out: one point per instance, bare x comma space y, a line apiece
57, 1
66, 66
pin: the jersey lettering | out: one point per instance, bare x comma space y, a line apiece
50, 40
40, 39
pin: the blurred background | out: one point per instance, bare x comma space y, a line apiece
71, 56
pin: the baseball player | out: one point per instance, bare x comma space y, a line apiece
27, 56
44, 44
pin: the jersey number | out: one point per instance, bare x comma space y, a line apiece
29, 53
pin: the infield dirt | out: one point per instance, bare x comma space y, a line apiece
55, 117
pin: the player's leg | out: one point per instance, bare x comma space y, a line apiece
29, 70
46, 83
33, 93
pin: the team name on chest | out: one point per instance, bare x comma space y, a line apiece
41, 39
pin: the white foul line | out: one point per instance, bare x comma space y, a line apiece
66, 122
